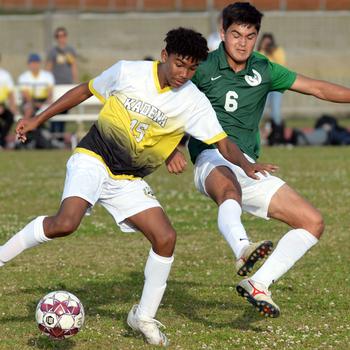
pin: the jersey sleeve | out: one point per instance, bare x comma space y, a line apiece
9, 82
23, 83
72, 51
50, 79
51, 55
107, 81
203, 124
281, 77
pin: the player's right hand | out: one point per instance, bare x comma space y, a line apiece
23, 127
176, 162
253, 169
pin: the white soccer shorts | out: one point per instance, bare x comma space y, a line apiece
88, 178
256, 194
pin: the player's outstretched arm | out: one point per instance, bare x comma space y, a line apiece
69, 100
321, 89
233, 154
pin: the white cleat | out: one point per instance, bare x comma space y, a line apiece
252, 253
148, 327
259, 296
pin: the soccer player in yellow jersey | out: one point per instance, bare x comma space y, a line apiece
147, 108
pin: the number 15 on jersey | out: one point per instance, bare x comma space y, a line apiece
138, 129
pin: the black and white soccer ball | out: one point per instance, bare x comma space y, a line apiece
60, 315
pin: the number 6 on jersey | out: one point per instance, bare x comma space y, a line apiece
231, 103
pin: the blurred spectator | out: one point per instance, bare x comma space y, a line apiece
36, 86
268, 47
214, 38
148, 58
327, 131
61, 61
7, 105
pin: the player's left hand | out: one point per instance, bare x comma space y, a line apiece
176, 162
253, 168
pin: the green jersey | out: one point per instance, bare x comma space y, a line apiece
239, 98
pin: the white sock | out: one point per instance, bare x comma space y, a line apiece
291, 247
156, 274
230, 225
30, 236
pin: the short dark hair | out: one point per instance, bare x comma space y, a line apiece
186, 43
60, 29
269, 36
241, 13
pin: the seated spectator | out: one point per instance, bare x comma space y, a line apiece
36, 87
327, 132
7, 105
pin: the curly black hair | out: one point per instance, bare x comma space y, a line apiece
186, 43
241, 13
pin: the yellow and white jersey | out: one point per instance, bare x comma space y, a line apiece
38, 86
6, 85
140, 124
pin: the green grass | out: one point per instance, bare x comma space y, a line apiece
201, 309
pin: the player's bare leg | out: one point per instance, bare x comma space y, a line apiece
156, 226
307, 223
43, 229
229, 187
228, 197
290, 207
67, 219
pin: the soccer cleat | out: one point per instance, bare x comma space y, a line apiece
149, 327
251, 254
259, 296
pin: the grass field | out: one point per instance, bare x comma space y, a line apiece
201, 309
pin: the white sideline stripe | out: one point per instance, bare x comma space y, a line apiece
69, 118
60, 90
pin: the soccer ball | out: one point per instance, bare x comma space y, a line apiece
59, 315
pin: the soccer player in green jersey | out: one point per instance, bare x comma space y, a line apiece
237, 81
